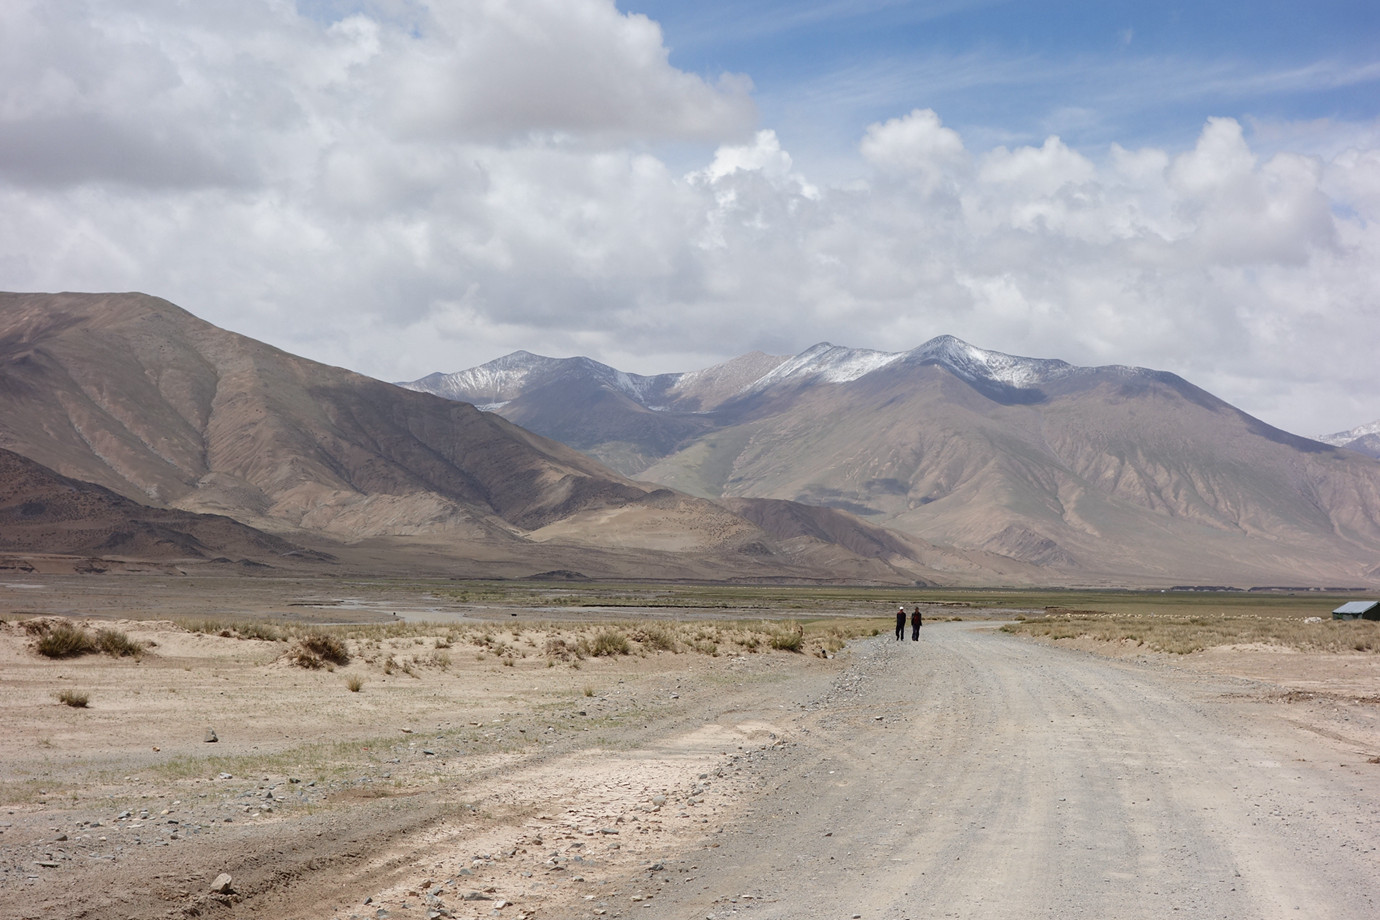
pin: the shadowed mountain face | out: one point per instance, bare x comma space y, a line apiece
1097, 475
42, 512
135, 395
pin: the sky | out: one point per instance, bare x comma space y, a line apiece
408, 186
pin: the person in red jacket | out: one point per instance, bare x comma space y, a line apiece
915, 620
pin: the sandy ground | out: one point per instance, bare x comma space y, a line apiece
971, 774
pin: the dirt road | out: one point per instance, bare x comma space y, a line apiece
971, 775
976, 775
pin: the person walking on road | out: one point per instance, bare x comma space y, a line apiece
915, 620
900, 623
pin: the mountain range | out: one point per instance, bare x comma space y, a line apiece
132, 432
163, 431
1072, 474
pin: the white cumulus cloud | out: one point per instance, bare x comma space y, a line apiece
417, 185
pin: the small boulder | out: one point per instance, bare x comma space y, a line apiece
222, 884
211, 737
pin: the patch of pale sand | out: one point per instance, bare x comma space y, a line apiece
1264, 647
143, 712
1344, 674
1354, 675
1335, 695
556, 834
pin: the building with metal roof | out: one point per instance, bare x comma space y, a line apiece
1358, 610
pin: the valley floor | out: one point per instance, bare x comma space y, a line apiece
970, 774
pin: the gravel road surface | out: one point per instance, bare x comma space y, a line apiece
976, 775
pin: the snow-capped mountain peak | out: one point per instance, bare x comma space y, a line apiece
1364, 439
829, 363
1341, 438
498, 380
978, 364
503, 379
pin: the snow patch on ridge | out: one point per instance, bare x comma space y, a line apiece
1343, 438
833, 364
830, 363
973, 363
634, 385
500, 379
504, 379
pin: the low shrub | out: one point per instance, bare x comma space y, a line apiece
318, 650
65, 641
557, 648
264, 632
118, 645
325, 648
74, 698
305, 659
656, 638
705, 647
788, 638
355, 683
608, 643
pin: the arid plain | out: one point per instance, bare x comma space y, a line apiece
543, 750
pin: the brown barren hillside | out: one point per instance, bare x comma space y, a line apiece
1022, 469
136, 395
44, 513
1107, 475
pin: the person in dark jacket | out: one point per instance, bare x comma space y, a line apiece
915, 620
900, 623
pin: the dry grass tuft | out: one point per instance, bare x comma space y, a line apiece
64, 640
789, 637
238, 629
317, 650
655, 637
118, 645
607, 643
74, 698
558, 648
1182, 634
67, 640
